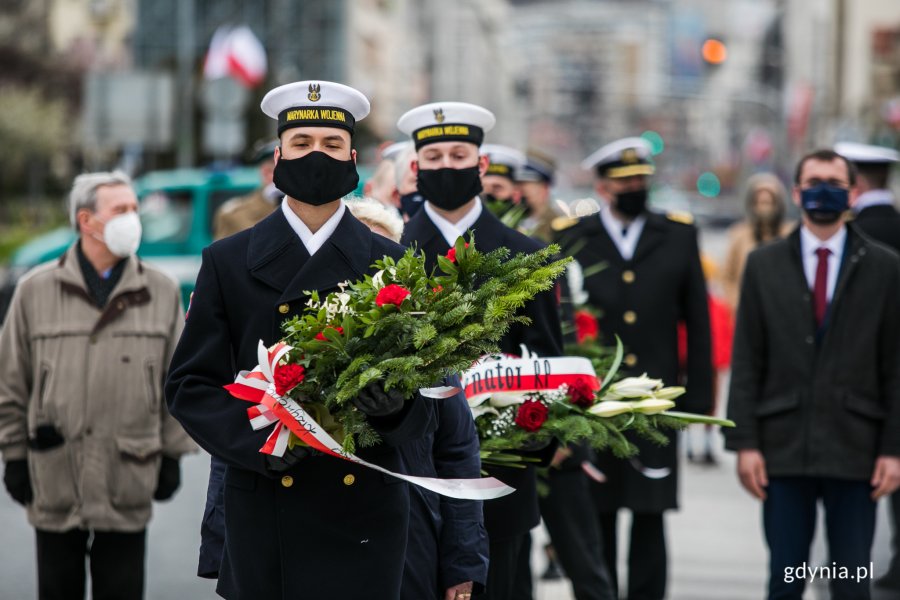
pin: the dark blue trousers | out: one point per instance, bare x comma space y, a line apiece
789, 519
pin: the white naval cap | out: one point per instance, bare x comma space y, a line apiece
395, 150
315, 104
504, 161
622, 158
446, 122
866, 153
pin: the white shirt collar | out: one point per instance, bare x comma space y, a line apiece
808, 246
625, 242
313, 241
873, 198
452, 231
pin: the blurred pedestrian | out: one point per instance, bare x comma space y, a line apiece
500, 194
87, 441
449, 167
246, 211
721, 327
341, 516
652, 280
877, 217
815, 384
765, 205
382, 185
875, 210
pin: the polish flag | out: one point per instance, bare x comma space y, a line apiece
238, 53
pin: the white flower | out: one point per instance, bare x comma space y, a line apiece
669, 393
652, 406
378, 279
502, 400
477, 411
610, 408
633, 387
649, 406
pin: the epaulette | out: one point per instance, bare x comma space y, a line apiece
562, 223
680, 216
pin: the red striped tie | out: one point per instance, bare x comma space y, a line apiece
820, 288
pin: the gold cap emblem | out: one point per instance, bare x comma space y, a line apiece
439, 115
629, 156
314, 89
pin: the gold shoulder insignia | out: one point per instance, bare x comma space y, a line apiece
562, 223
679, 216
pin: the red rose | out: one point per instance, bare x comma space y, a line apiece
321, 335
586, 327
288, 376
391, 294
580, 393
438, 289
451, 253
531, 415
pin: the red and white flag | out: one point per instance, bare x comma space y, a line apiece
236, 52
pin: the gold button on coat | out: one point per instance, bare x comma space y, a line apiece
349, 479
283, 309
630, 360
287, 481
628, 276
629, 317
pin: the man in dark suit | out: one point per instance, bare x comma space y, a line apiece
650, 281
448, 167
289, 527
875, 213
815, 385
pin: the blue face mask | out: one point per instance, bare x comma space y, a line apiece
825, 203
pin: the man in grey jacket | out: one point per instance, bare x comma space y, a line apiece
815, 387
86, 439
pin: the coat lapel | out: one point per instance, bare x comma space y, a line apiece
854, 251
345, 256
275, 253
651, 237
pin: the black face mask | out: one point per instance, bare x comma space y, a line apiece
631, 204
315, 178
411, 203
448, 188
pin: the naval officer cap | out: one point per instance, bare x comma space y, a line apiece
395, 150
446, 122
867, 154
315, 104
623, 158
504, 161
538, 167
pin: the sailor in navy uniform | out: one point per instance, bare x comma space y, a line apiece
448, 166
652, 280
298, 524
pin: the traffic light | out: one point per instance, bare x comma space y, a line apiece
714, 51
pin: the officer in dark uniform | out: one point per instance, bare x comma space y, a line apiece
875, 212
448, 167
301, 523
876, 215
652, 280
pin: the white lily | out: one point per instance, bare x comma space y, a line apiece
633, 387
610, 408
378, 279
652, 406
669, 393
502, 400
484, 409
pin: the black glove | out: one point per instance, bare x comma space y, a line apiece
18, 482
376, 402
291, 457
169, 478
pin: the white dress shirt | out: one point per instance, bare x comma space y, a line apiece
873, 198
808, 246
625, 242
452, 231
313, 241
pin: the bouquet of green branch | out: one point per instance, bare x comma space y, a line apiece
577, 412
406, 328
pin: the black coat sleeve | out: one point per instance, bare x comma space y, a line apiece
463, 541
695, 311
747, 364
889, 357
202, 364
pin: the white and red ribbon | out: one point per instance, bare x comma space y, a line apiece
258, 386
513, 377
